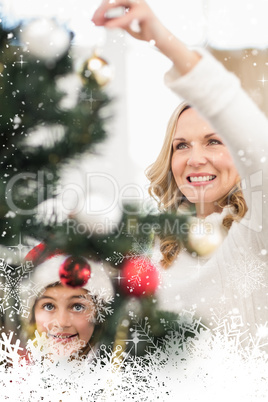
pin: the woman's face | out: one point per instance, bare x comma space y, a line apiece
201, 164
66, 316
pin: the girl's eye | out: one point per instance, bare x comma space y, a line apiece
181, 145
78, 307
214, 142
48, 307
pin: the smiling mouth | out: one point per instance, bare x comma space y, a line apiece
196, 179
62, 336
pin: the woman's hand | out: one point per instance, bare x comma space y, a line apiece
137, 19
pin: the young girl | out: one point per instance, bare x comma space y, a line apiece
68, 316
211, 150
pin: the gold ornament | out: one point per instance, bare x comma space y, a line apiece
99, 68
204, 237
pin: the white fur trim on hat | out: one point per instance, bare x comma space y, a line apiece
47, 274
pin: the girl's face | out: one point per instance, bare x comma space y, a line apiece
201, 164
66, 315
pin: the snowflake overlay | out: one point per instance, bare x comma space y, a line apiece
9, 352
141, 254
17, 295
11, 287
102, 304
247, 274
139, 249
192, 364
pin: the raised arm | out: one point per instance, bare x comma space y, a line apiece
149, 29
216, 93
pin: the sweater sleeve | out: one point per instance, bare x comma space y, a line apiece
218, 96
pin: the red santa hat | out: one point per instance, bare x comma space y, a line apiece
50, 268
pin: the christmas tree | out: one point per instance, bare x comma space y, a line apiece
41, 133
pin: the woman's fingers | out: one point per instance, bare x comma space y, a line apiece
139, 21
135, 17
101, 15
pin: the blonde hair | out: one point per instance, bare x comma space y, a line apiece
164, 190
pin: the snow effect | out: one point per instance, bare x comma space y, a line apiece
192, 362
247, 274
201, 367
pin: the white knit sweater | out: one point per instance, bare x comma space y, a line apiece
229, 289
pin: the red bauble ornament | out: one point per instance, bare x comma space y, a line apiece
74, 272
139, 277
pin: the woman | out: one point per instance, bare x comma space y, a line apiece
68, 316
210, 148
203, 174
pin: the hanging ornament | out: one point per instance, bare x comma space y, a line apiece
204, 237
74, 272
99, 68
139, 277
45, 39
